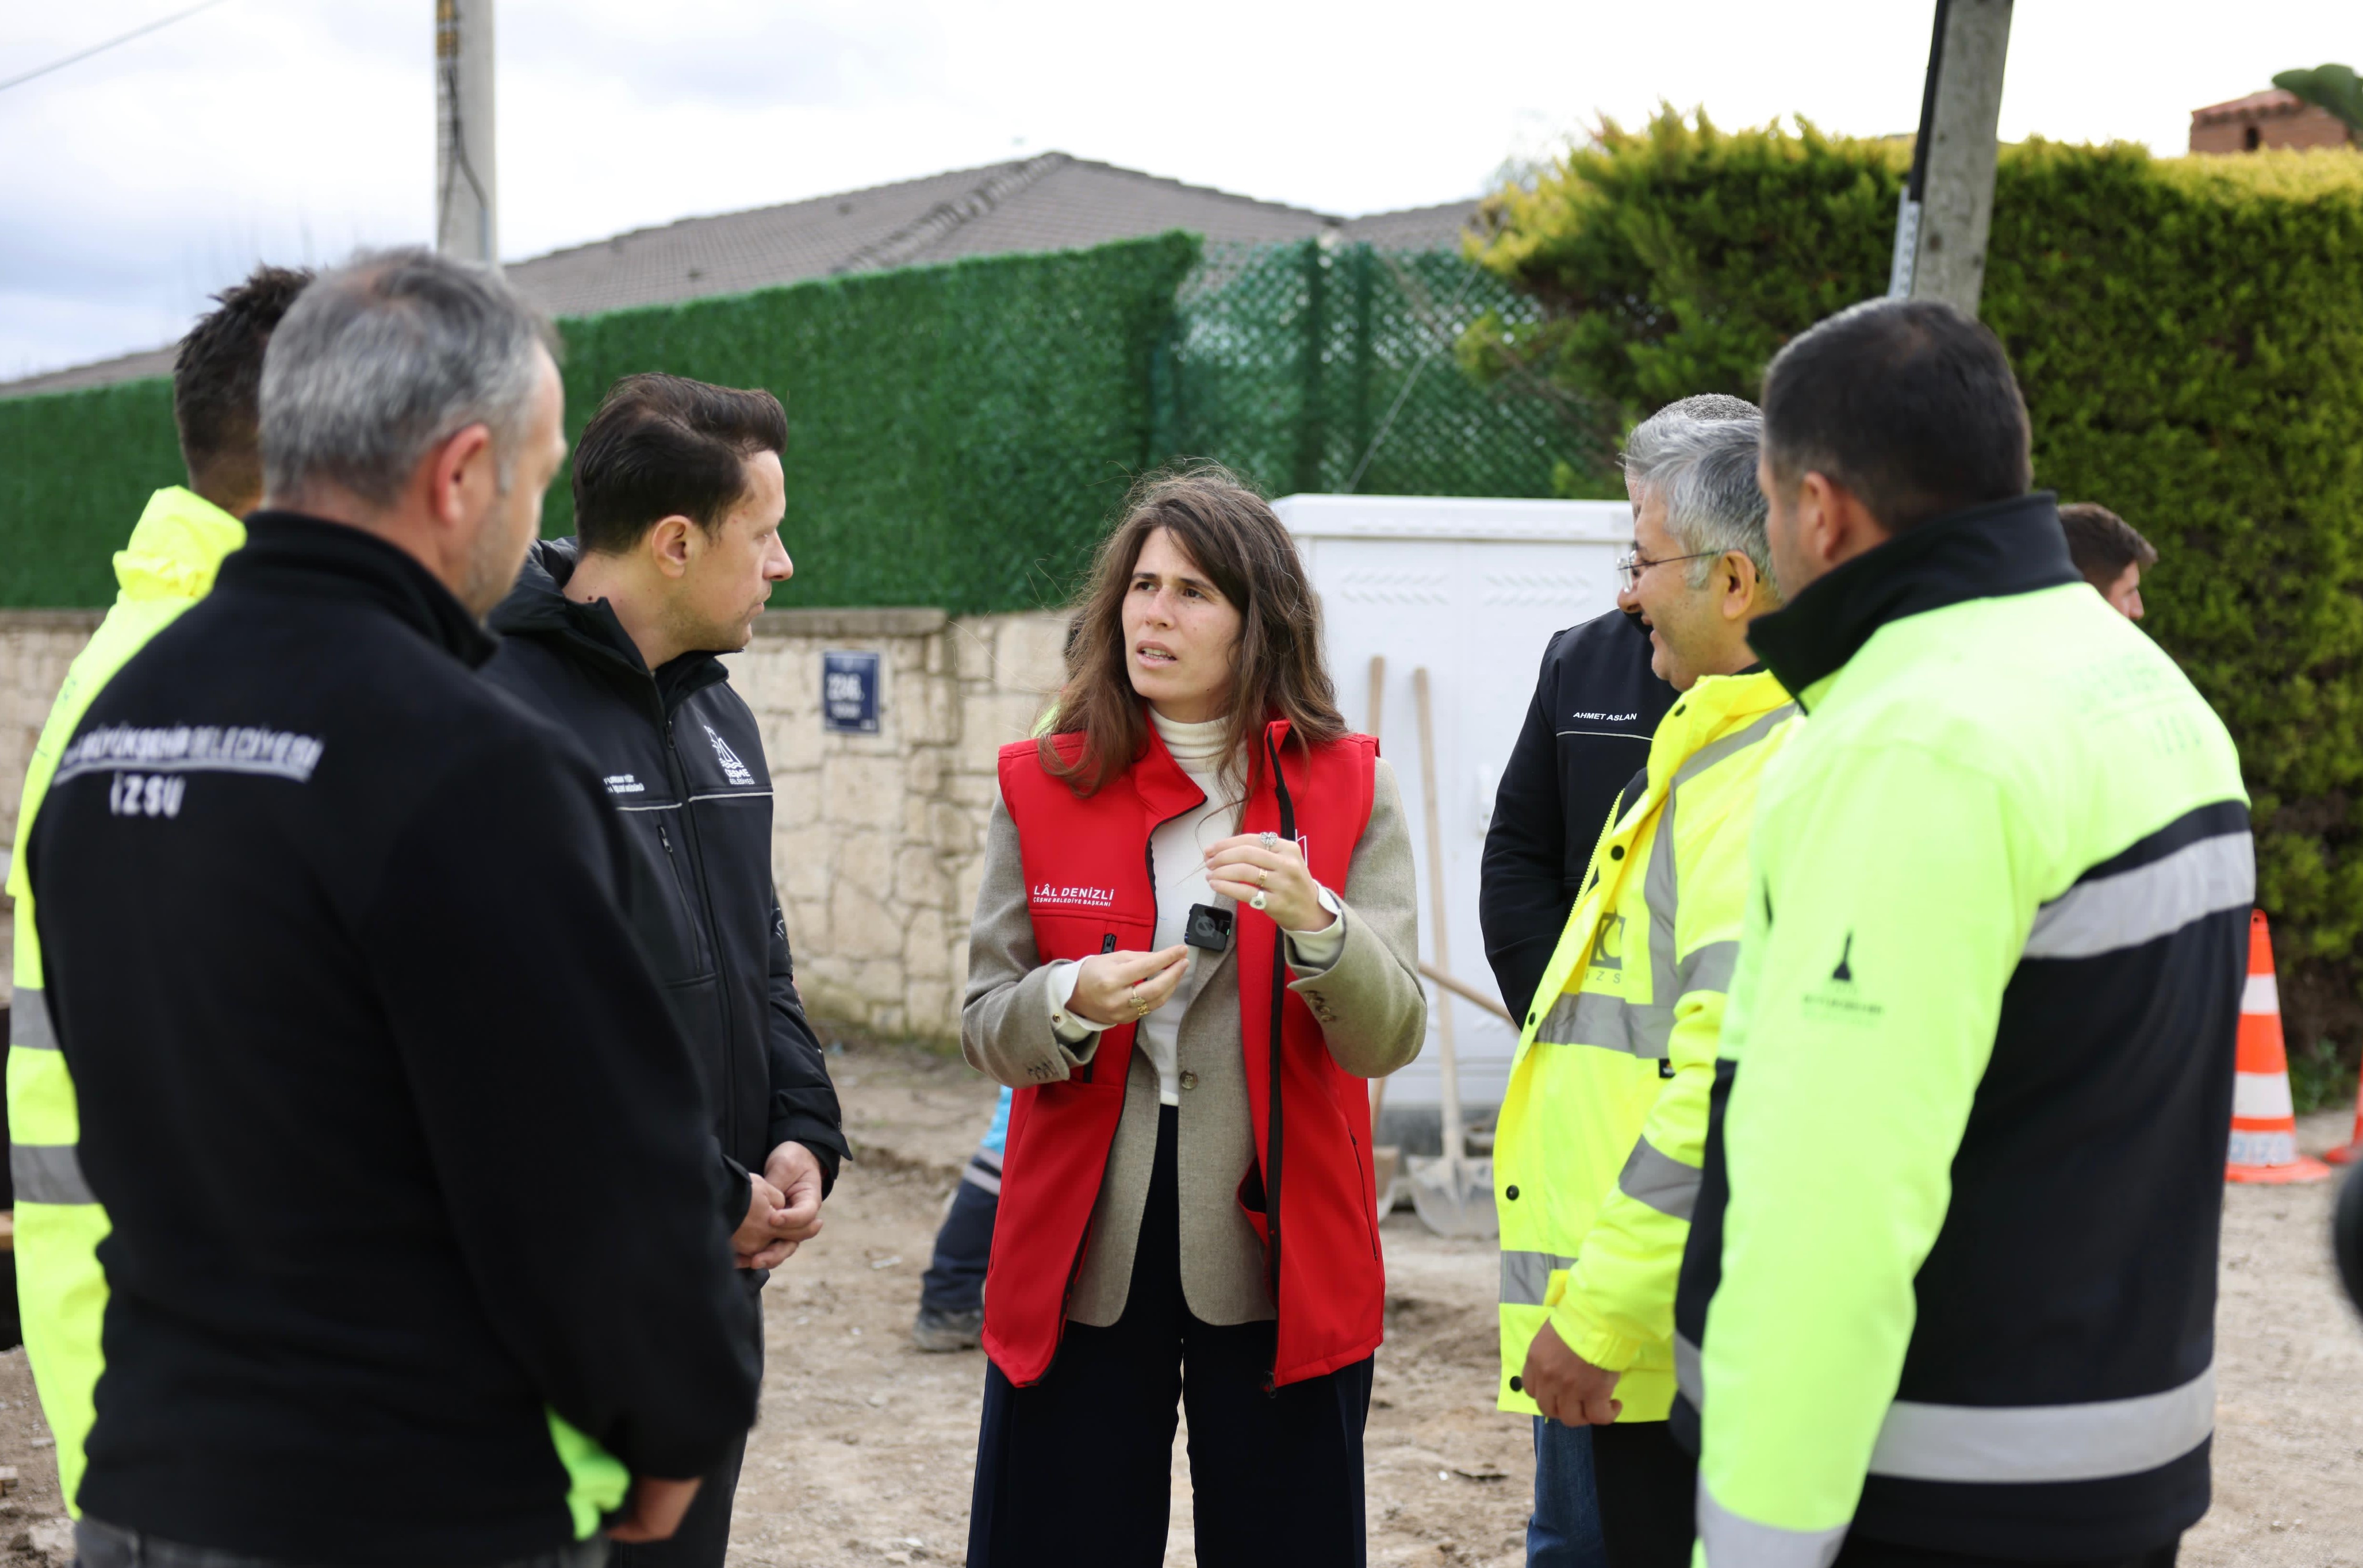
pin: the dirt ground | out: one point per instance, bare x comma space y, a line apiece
866, 1446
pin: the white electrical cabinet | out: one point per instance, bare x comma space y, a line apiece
1471, 591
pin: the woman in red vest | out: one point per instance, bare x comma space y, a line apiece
1194, 942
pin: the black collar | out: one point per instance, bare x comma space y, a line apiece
316, 558
538, 607
1987, 551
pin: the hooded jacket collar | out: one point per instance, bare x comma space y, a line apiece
538, 607
1986, 552
312, 556
177, 547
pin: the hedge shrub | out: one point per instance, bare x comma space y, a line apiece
2189, 333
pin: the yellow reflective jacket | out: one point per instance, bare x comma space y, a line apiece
167, 566
1597, 1156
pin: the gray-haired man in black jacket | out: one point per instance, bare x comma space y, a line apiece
416, 1249
678, 498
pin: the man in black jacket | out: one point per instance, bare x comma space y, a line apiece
416, 1257
678, 498
1587, 734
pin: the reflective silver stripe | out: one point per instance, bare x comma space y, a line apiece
1526, 1276
2045, 1442
48, 1173
1592, 1017
1662, 1182
2139, 905
28, 1021
1732, 1541
1708, 756
982, 1175
1709, 968
1686, 1372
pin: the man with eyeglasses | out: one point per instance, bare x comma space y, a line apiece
1596, 704
1597, 1156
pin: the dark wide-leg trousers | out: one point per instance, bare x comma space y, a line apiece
1076, 1471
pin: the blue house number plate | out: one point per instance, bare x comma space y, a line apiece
848, 693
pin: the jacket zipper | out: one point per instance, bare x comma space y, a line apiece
680, 885
706, 909
1075, 1269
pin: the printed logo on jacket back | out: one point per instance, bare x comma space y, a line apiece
732, 768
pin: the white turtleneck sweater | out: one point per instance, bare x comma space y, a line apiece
1177, 849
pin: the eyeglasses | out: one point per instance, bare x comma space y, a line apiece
1630, 567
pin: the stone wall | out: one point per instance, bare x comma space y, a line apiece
878, 839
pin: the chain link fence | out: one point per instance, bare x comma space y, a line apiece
1315, 366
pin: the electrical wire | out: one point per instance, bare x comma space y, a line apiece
141, 32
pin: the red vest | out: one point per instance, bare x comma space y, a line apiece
1088, 888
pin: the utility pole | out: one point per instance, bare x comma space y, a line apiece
467, 203
1947, 205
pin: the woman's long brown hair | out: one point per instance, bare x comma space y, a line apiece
1229, 533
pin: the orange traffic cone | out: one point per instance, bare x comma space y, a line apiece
2264, 1122
2351, 1151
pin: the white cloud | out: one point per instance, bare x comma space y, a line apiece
140, 181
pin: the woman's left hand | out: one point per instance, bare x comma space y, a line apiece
1267, 864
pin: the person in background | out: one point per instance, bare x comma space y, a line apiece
951, 1293
2109, 554
1596, 704
1194, 941
1596, 1161
418, 1252
1950, 1294
612, 635
168, 565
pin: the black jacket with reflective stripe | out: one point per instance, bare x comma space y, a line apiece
400, 1144
1596, 704
683, 762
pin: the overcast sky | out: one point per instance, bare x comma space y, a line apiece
135, 183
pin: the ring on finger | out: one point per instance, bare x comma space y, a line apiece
1270, 842
1263, 879
1258, 901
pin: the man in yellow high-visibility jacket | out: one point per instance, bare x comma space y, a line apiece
1597, 1158
167, 566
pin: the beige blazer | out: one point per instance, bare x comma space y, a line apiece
1372, 1012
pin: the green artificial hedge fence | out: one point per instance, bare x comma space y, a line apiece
76, 468
2189, 333
958, 434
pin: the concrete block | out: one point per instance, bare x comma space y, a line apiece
862, 792
861, 928
928, 1012
795, 797
927, 946
880, 982
866, 861
919, 880
804, 861
1032, 649
971, 639
955, 829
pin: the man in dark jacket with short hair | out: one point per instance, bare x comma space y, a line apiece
678, 496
